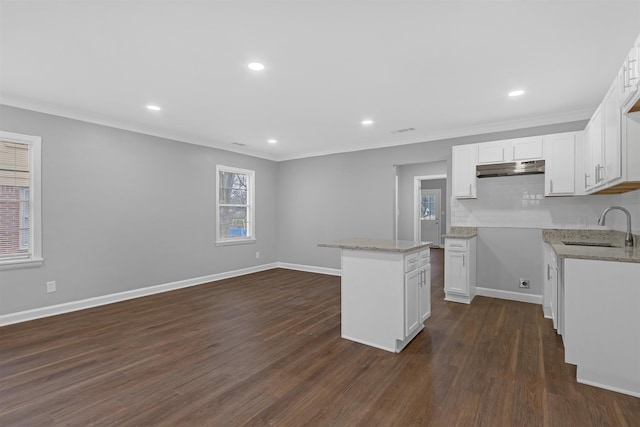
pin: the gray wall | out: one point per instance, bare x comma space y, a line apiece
406, 174
507, 254
123, 210
352, 194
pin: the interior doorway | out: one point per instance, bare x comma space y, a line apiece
428, 208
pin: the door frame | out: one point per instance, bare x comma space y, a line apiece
417, 186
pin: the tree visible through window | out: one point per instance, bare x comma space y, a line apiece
235, 204
427, 206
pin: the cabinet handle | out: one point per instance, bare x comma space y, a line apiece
548, 272
551, 185
463, 256
586, 184
470, 192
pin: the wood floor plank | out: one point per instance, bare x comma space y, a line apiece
265, 349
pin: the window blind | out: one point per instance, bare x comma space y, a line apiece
15, 202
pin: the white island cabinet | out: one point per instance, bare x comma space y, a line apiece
385, 291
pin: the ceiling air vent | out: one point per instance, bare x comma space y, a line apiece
403, 130
239, 144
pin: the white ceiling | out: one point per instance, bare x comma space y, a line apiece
443, 68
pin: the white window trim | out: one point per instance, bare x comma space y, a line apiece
251, 230
34, 143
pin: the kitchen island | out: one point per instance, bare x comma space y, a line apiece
385, 290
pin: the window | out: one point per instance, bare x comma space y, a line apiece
20, 233
235, 205
428, 206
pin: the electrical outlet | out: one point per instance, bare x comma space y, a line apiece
257, 254
51, 286
524, 283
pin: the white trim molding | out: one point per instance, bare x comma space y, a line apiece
509, 295
310, 268
53, 310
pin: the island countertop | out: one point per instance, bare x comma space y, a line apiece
380, 245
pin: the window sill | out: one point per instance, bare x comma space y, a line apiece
231, 242
21, 263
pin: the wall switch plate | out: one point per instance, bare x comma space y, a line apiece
257, 254
524, 283
51, 286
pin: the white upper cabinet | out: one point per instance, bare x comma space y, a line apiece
593, 152
612, 139
464, 160
603, 144
629, 75
511, 150
492, 152
560, 163
523, 149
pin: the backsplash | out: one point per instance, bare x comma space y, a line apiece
519, 201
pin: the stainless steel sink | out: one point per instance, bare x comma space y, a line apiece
598, 244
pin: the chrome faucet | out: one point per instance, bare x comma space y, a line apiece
628, 239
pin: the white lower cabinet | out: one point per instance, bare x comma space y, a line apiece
385, 297
601, 318
425, 293
460, 270
417, 295
550, 304
412, 282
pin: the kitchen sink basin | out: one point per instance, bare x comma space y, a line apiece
597, 244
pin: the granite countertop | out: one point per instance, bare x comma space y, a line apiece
619, 253
461, 233
380, 245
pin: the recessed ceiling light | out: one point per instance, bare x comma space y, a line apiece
516, 92
367, 122
153, 107
272, 141
256, 66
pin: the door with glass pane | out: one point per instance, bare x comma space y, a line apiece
430, 216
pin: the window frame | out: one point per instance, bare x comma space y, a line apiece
251, 209
35, 202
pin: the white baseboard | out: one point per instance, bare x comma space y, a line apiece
53, 310
513, 296
310, 268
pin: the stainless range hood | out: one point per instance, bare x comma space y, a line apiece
509, 169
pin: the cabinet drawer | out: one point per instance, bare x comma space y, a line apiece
425, 257
458, 245
411, 262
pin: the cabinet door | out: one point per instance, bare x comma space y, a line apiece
425, 294
560, 167
612, 122
596, 160
464, 171
411, 301
527, 149
553, 279
456, 276
491, 152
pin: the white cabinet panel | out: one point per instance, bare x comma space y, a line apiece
464, 159
612, 135
459, 270
602, 314
527, 149
491, 152
425, 294
560, 164
412, 284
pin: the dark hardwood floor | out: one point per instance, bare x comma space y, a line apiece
265, 349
